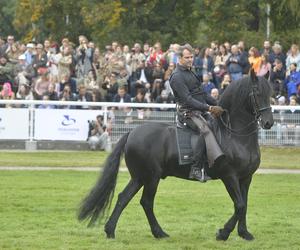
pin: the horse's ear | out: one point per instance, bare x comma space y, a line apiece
253, 75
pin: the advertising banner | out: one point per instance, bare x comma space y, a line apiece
14, 124
63, 124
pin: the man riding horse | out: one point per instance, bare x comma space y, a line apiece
193, 105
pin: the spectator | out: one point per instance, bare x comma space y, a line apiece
204, 64
244, 57
215, 93
13, 54
220, 64
122, 95
207, 84
65, 61
157, 56
265, 67
51, 93
7, 94
6, 70
224, 84
83, 96
293, 57
157, 87
29, 54
254, 59
67, 80
40, 59
90, 82
111, 85
235, 64
266, 48
98, 136
164, 97
158, 71
66, 94
84, 58
45, 97
277, 54
277, 79
167, 76
24, 92
23, 73
42, 83
292, 80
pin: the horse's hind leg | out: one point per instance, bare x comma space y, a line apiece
123, 199
147, 202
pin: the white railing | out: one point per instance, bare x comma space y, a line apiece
46, 124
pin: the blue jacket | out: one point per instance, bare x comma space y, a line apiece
234, 66
198, 64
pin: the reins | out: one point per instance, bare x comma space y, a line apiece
237, 132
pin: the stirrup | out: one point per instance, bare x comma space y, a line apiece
199, 174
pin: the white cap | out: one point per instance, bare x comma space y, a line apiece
30, 45
22, 57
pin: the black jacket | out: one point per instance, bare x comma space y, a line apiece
188, 92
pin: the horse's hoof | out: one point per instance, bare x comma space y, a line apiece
246, 235
160, 235
110, 234
222, 235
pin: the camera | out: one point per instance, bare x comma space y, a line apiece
92, 124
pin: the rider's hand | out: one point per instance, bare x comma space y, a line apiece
216, 111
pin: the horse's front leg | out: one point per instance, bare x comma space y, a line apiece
242, 225
233, 188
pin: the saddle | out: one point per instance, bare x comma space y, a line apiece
185, 136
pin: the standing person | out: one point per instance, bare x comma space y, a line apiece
293, 57
235, 64
190, 97
265, 66
83, 58
254, 59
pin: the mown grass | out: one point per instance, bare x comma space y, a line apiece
38, 211
285, 158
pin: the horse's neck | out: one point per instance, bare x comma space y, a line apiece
245, 127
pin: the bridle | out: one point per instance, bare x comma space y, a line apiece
255, 109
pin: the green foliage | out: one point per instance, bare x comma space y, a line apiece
38, 211
196, 21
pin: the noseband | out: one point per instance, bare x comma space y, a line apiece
253, 99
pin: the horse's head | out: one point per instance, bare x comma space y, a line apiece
260, 94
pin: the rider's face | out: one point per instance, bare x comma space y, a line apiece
187, 59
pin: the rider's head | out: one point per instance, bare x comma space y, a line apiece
186, 55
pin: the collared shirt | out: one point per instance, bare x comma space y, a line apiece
188, 91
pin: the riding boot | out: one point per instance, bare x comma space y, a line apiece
215, 154
197, 169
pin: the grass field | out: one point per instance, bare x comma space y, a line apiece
38, 211
271, 158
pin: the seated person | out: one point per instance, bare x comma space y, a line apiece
83, 96
122, 95
7, 94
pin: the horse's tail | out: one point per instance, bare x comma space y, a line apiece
96, 202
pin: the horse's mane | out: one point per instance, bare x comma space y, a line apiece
237, 92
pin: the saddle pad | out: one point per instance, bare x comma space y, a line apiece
183, 139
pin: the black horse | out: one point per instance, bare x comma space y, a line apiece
151, 154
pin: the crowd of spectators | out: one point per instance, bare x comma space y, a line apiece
140, 74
